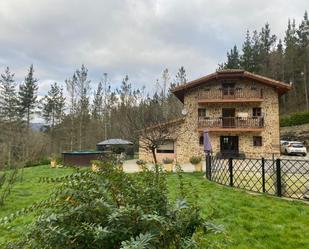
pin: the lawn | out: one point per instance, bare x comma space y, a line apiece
25, 193
250, 221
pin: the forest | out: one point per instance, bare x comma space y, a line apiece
285, 60
78, 115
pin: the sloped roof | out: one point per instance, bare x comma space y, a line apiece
280, 86
115, 141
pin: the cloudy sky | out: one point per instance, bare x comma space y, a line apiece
138, 38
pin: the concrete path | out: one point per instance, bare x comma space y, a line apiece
130, 166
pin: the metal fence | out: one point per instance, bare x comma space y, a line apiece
281, 177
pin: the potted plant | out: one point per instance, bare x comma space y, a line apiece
168, 164
53, 161
197, 162
95, 166
141, 164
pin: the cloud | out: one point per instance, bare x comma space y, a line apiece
138, 38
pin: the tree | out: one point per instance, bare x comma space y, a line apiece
246, 59
83, 89
267, 42
256, 48
97, 106
181, 77
8, 111
71, 86
28, 96
233, 60
53, 105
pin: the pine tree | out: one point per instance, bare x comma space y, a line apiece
303, 34
71, 87
8, 112
181, 77
53, 105
256, 48
267, 43
53, 109
28, 96
246, 59
8, 97
83, 88
233, 59
97, 106
303, 55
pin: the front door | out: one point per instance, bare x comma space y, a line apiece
229, 145
228, 117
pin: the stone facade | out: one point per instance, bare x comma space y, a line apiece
187, 139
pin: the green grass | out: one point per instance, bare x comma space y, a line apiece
26, 193
250, 221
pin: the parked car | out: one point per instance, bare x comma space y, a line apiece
293, 148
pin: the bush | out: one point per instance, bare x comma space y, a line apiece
297, 118
168, 160
111, 209
195, 160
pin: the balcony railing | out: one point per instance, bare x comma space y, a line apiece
231, 94
221, 123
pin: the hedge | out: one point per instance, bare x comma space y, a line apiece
297, 118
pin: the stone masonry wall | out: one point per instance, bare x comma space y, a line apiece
187, 142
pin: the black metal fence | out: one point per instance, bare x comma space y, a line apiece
281, 177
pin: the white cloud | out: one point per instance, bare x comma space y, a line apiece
138, 38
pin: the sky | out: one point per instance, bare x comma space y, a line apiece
129, 37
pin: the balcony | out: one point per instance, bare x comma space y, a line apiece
237, 124
230, 95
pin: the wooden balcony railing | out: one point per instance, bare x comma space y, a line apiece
231, 123
231, 94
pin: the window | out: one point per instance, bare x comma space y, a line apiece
228, 88
257, 141
201, 140
201, 112
166, 147
257, 112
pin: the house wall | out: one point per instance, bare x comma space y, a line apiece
187, 141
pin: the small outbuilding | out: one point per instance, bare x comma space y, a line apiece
116, 145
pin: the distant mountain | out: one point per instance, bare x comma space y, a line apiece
37, 126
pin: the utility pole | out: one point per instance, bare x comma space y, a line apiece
105, 106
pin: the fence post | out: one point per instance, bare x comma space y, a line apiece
208, 166
278, 176
263, 175
231, 171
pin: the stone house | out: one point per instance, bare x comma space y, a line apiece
238, 108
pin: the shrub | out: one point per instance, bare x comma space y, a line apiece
195, 160
111, 209
140, 162
297, 118
168, 160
